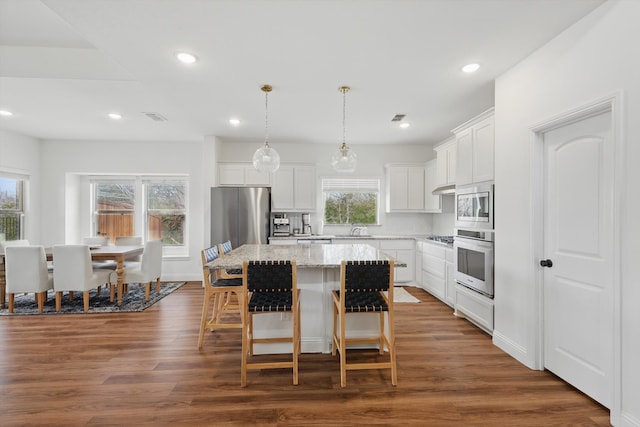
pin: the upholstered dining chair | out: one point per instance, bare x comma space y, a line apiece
73, 271
26, 272
269, 287
224, 248
146, 271
7, 243
94, 241
130, 241
366, 287
217, 301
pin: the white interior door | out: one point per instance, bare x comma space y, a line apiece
578, 240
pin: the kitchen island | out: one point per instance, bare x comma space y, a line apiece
318, 275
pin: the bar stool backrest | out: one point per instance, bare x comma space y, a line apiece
270, 276
367, 276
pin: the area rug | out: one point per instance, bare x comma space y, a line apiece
401, 295
98, 303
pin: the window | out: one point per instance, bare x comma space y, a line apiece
114, 213
152, 207
350, 200
11, 208
166, 212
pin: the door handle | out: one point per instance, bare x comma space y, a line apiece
546, 263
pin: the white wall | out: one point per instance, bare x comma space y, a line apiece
371, 162
20, 154
595, 58
64, 159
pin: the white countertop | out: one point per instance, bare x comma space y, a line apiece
306, 256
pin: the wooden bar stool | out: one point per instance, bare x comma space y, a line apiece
269, 287
362, 291
216, 297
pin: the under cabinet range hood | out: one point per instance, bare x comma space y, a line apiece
444, 189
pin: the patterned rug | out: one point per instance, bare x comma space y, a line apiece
98, 303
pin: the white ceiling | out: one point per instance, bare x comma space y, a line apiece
65, 64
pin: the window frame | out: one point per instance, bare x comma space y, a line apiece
140, 208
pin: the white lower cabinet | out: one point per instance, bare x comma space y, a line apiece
403, 250
477, 308
437, 271
283, 242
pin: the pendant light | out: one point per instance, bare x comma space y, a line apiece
266, 159
344, 159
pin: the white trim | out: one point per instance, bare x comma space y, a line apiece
612, 103
512, 348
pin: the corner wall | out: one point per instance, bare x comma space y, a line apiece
591, 60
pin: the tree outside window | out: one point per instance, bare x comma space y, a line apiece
166, 212
350, 201
11, 208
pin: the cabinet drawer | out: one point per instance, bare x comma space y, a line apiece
434, 285
435, 266
435, 250
476, 307
396, 244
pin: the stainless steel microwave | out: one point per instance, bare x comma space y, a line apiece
474, 207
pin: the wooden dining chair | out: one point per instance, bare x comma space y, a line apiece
366, 287
269, 287
224, 248
217, 306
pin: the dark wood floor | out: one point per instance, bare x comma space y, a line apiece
145, 369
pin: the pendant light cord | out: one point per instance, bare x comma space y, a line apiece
344, 116
266, 118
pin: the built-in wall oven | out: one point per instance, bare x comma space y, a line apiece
473, 259
474, 206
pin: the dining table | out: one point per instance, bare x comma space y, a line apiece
119, 254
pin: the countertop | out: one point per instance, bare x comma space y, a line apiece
344, 237
306, 256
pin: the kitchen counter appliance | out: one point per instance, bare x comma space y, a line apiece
473, 259
474, 207
281, 226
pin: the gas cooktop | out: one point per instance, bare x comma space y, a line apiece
442, 239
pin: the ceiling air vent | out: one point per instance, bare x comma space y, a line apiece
155, 116
398, 117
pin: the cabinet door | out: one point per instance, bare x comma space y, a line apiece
304, 188
432, 203
398, 183
451, 163
415, 189
231, 175
464, 158
282, 190
483, 138
450, 287
252, 177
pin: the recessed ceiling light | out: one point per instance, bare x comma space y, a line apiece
405, 125
186, 58
6, 113
115, 116
470, 68
234, 122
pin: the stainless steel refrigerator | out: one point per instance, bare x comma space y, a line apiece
241, 215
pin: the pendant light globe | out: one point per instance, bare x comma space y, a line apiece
344, 160
266, 159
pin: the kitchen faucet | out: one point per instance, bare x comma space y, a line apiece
357, 229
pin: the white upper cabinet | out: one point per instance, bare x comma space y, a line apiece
242, 174
475, 142
405, 188
432, 203
294, 188
446, 163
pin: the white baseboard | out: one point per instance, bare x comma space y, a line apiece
513, 349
